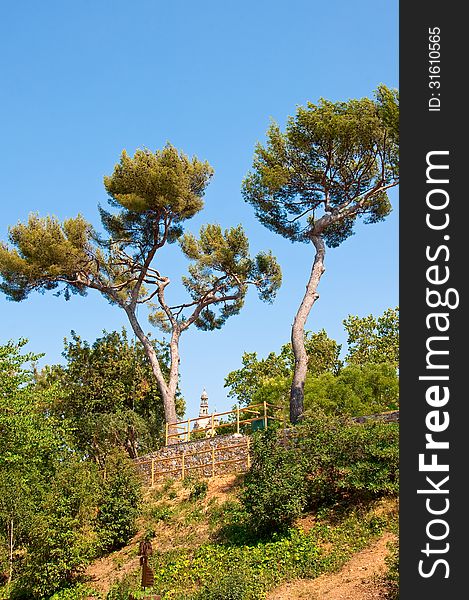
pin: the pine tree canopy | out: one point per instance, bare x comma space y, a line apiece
332, 165
150, 194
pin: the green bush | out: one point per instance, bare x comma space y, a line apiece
61, 540
161, 513
77, 592
119, 504
275, 488
122, 589
324, 460
348, 460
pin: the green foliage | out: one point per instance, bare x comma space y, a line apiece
373, 339
124, 588
387, 101
53, 504
238, 583
357, 390
47, 253
221, 266
119, 503
368, 384
334, 157
275, 488
76, 592
109, 395
268, 379
151, 186
325, 460
61, 538
32, 446
198, 490
348, 460
161, 513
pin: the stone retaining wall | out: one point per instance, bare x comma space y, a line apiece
201, 457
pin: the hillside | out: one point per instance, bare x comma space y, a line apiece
172, 520
184, 527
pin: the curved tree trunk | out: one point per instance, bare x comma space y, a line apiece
298, 331
167, 390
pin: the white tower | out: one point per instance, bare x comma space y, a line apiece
203, 411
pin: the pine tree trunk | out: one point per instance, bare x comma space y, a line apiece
298, 332
167, 390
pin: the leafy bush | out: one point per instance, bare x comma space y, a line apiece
347, 459
161, 513
275, 488
120, 503
122, 589
62, 540
324, 460
77, 592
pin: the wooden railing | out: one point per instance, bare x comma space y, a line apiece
182, 430
210, 465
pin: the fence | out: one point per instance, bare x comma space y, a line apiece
182, 430
185, 462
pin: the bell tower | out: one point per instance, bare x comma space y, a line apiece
203, 411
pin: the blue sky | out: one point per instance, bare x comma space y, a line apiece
80, 81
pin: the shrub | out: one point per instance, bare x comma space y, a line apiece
124, 588
61, 541
77, 592
161, 513
324, 460
119, 504
347, 459
275, 490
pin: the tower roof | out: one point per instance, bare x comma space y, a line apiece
204, 395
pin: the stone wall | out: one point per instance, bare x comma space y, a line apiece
207, 457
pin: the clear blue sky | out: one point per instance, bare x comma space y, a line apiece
80, 81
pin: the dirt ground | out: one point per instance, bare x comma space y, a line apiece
357, 580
